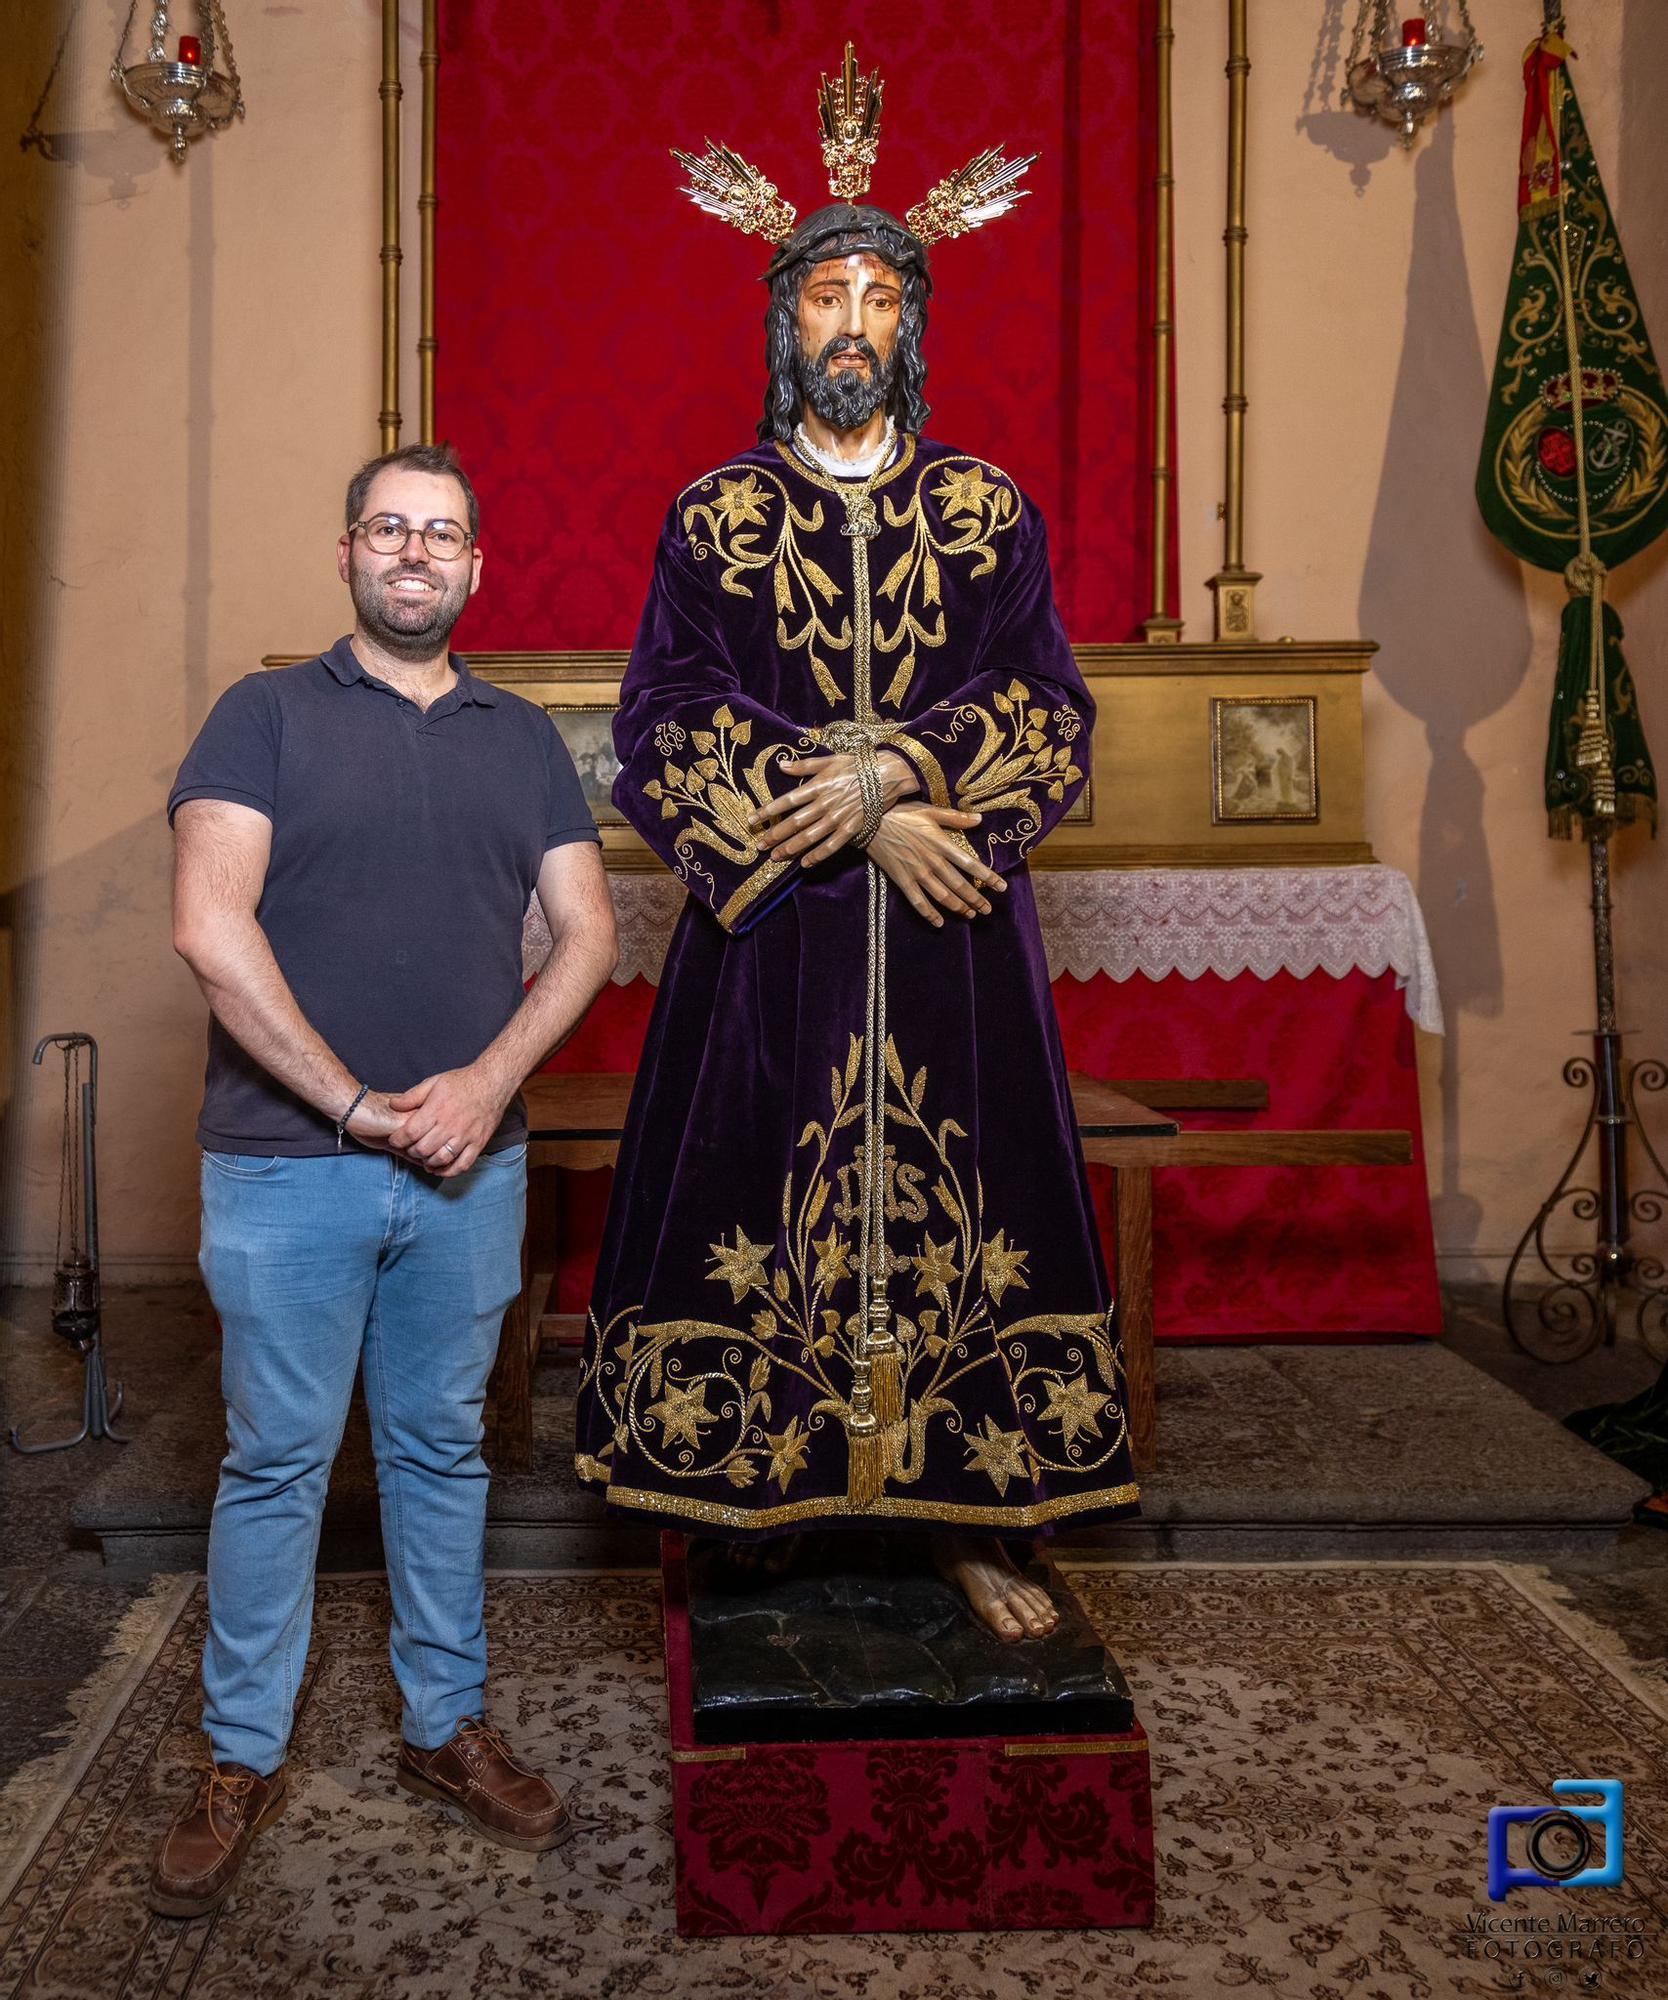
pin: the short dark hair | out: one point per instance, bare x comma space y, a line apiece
439, 458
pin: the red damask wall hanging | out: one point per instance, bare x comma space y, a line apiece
601, 344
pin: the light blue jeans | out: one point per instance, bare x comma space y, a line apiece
315, 1265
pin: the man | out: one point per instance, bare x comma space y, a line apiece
850, 1274
357, 841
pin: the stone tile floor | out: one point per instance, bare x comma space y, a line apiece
59, 1607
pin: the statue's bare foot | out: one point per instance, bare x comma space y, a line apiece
983, 1571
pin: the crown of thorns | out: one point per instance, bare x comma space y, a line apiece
848, 111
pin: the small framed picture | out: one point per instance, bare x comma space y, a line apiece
1081, 811
587, 728
1263, 759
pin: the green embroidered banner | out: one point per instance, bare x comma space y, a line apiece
1574, 468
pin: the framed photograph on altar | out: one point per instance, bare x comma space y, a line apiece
587, 728
580, 692
1262, 757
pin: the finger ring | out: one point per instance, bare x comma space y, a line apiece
447, 1146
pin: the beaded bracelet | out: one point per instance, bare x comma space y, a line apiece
341, 1123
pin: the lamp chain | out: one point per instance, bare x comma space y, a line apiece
219, 14
1355, 42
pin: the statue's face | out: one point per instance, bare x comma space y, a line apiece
844, 302
848, 329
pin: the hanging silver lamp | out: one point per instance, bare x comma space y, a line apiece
1404, 71
184, 94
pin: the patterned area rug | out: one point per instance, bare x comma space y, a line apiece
1328, 1739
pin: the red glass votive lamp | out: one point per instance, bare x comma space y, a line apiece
1414, 33
191, 50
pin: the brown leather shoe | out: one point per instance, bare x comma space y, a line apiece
479, 1774
200, 1854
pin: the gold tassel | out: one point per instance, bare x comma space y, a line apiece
886, 1381
1592, 747
885, 1359
1594, 753
866, 1467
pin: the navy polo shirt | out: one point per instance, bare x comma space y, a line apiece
405, 845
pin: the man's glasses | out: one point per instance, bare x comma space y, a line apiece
388, 534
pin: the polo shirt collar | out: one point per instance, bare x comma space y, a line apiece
343, 662
471, 689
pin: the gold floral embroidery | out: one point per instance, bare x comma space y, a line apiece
1001, 1455
694, 1399
1023, 752
977, 503
720, 515
788, 1452
741, 503
1075, 1407
965, 491
681, 1413
715, 791
1002, 1266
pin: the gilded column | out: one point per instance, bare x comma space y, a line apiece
389, 92
1161, 628
1234, 586
428, 346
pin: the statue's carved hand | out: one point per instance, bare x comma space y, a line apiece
824, 813
924, 850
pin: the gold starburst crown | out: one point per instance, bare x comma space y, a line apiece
849, 114
722, 183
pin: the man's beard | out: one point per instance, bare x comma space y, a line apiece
841, 396
410, 628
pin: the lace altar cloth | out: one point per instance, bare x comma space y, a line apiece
1150, 920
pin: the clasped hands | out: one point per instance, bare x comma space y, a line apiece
922, 848
440, 1124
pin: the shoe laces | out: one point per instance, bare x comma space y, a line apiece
490, 1738
230, 1791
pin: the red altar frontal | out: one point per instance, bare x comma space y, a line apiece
1311, 979
1000, 1832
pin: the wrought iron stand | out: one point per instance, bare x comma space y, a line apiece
1567, 1317
76, 1303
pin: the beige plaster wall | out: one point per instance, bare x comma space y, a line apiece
213, 368
211, 342
1375, 286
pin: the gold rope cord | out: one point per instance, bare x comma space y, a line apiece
1586, 573
881, 1345
877, 1370
863, 1420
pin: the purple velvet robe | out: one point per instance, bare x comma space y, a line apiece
778, 1338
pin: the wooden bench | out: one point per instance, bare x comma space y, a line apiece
575, 1121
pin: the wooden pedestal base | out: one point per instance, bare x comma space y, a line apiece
961, 1833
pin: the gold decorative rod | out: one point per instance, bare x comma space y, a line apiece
1161, 628
1234, 586
427, 203
389, 92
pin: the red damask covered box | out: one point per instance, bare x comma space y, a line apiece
901, 1833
